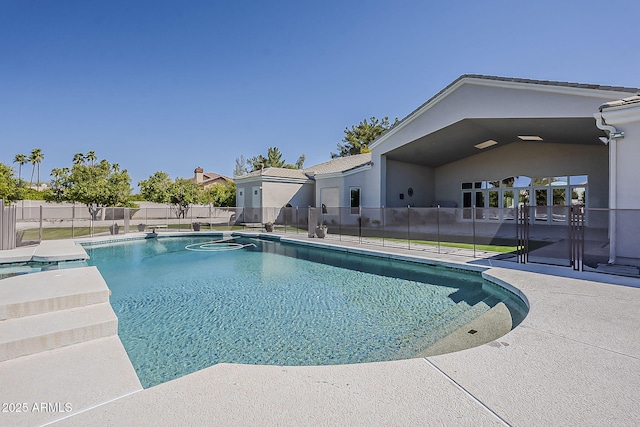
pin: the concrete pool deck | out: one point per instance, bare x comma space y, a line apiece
574, 360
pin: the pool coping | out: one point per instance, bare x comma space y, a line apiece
573, 360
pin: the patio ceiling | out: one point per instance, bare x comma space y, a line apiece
458, 140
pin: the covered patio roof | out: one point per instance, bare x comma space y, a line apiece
459, 140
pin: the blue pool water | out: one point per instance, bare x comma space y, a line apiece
273, 303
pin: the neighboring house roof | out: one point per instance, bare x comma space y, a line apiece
208, 178
211, 176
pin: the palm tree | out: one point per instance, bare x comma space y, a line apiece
20, 159
36, 158
91, 157
78, 159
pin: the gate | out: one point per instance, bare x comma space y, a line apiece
522, 233
576, 237
566, 252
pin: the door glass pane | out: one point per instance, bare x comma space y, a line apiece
507, 199
523, 197
559, 211
578, 195
541, 212
559, 196
479, 205
466, 199
466, 204
508, 203
493, 199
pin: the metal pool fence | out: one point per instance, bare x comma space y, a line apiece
572, 236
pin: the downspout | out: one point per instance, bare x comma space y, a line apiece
613, 184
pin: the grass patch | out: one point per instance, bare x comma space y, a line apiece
56, 233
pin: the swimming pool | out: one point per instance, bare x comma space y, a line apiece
282, 304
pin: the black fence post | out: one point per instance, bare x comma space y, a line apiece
409, 227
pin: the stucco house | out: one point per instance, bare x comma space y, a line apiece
492, 143
207, 179
262, 193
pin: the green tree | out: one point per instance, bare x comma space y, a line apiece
36, 158
181, 193
96, 186
241, 166
358, 138
219, 195
20, 159
91, 157
156, 188
10, 189
78, 158
273, 160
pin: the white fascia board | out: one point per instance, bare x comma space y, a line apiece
265, 178
567, 90
548, 88
621, 114
417, 113
345, 173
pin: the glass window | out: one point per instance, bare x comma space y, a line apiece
578, 180
355, 200
479, 199
540, 182
522, 181
493, 184
467, 185
508, 182
541, 197
559, 180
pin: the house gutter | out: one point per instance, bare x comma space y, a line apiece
610, 140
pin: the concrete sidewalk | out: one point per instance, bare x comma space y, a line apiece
574, 360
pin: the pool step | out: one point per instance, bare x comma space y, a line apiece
52, 309
49, 291
455, 317
33, 334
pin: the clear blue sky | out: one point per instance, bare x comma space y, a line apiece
172, 85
